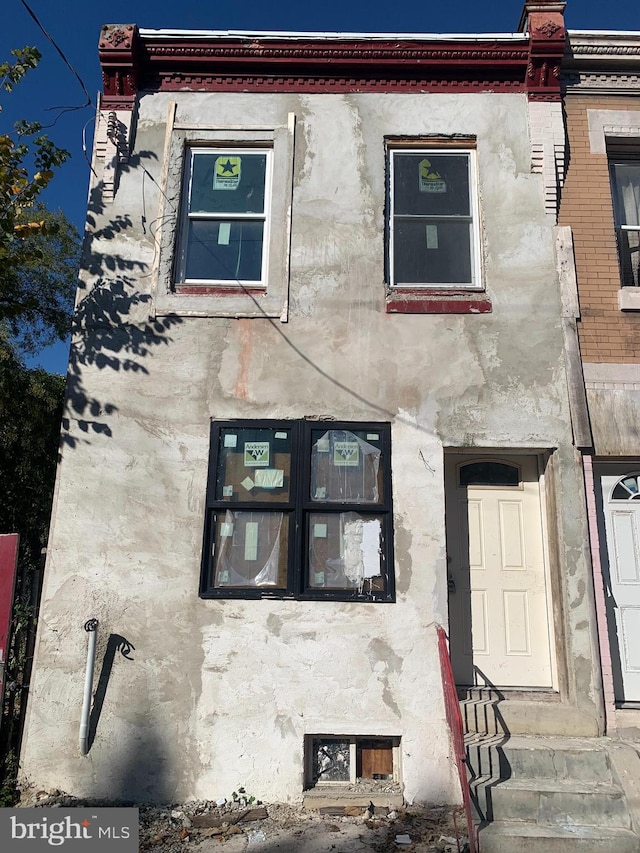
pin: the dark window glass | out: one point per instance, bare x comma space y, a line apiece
625, 181
431, 230
487, 473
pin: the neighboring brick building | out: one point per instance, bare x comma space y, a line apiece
601, 204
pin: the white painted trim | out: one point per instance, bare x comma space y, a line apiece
611, 123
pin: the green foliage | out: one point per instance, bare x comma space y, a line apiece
39, 254
39, 249
30, 414
241, 798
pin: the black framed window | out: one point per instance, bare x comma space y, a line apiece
299, 509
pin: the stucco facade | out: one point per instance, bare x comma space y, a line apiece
220, 692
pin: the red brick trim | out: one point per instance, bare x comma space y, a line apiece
437, 302
217, 290
132, 63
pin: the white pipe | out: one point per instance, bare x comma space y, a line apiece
92, 628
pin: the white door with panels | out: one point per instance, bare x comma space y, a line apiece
499, 625
621, 571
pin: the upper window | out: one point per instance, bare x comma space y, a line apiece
625, 184
299, 509
225, 218
224, 250
433, 218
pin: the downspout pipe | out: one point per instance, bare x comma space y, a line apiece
91, 627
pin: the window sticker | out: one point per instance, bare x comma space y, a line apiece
320, 531
251, 540
269, 478
247, 483
224, 232
227, 173
227, 491
318, 578
230, 440
226, 529
223, 578
373, 436
432, 236
321, 493
256, 454
281, 435
430, 181
322, 444
346, 454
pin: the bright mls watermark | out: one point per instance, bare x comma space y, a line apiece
105, 829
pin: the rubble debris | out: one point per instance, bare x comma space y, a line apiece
193, 826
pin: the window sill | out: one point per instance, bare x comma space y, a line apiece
218, 290
410, 301
629, 299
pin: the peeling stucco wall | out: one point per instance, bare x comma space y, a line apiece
221, 693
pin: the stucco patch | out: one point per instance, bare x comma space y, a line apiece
402, 546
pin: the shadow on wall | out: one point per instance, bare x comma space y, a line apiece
136, 765
112, 327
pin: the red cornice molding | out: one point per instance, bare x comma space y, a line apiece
132, 63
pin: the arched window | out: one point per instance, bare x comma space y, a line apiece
627, 488
488, 472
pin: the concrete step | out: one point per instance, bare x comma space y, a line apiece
559, 803
501, 837
319, 798
539, 758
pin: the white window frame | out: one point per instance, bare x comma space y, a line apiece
398, 150
187, 216
270, 299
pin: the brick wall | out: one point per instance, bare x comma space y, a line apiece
606, 333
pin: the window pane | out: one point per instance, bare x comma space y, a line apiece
254, 465
345, 551
489, 474
626, 191
345, 466
250, 549
431, 184
331, 760
432, 252
629, 253
627, 188
224, 251
627, 489
227, 182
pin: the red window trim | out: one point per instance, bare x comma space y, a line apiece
441, 301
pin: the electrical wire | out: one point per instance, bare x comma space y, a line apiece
63, 109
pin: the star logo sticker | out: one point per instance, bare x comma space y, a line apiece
228, 168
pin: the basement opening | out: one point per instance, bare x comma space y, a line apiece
342, 761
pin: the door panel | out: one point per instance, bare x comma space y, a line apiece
620, 558
498, 608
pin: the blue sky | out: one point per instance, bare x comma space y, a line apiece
75, 25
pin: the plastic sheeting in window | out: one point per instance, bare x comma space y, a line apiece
251, 549
344, 468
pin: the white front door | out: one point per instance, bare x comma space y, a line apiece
498, 604
621, 571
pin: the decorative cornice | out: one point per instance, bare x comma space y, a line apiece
118, 51
167, 61
601, 83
